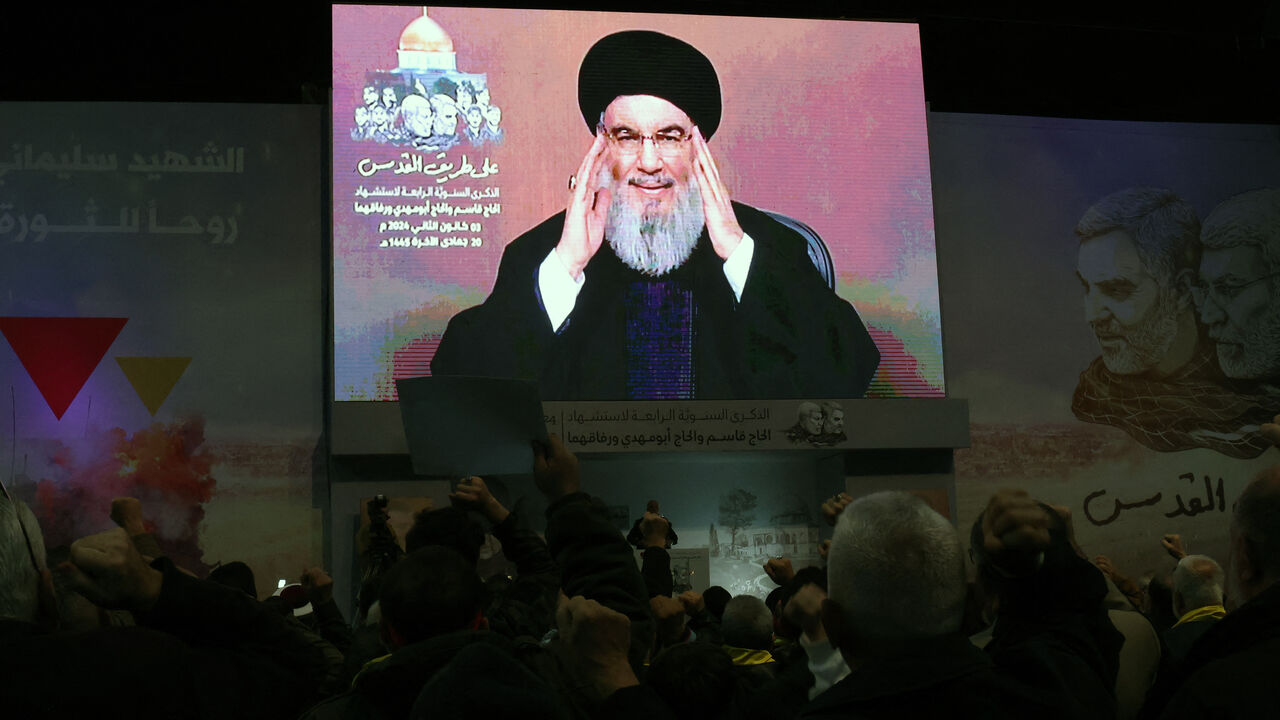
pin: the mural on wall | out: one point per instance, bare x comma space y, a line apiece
160, 321
1143, 419
1185, 318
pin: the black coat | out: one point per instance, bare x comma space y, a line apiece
790, 336
593, 560
1230, 671
941, 677
204, 650
1053, 654
1179, 640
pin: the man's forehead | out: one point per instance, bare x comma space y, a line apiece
645, 112
1113, 255
1245, 261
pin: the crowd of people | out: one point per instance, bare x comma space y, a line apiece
896, 624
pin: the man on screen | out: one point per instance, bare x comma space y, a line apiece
1157, 377
695, 296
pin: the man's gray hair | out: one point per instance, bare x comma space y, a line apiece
1197, 582
1257, 517
747, 623
1250, 219
1164, 228
19, 582
896, 568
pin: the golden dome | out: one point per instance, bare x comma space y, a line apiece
424, 35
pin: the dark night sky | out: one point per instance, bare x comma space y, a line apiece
1147, 61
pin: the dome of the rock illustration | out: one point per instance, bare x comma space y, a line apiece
425, 35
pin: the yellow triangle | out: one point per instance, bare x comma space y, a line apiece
153, 377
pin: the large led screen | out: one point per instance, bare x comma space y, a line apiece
713, 208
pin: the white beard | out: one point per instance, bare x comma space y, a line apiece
650, 241
1253, 352
1147, 342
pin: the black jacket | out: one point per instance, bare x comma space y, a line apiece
1053, 654
203, 651
594, 561
790, 336
1053, 635
528, 605
597, 562
1230, 672
941, 676
387, 688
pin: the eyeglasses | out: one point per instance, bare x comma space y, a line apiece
1223, 292
628, 142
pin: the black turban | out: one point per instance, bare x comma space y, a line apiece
642, 62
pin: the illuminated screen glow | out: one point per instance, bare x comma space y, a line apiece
454, 135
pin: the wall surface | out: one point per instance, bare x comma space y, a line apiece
184, 242
1134, 454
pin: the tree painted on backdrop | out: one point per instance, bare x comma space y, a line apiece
737, 512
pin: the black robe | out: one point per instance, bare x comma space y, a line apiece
790, 336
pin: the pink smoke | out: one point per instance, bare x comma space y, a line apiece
166, 466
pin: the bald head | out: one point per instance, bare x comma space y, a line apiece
1197, 582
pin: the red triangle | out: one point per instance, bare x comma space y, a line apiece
60, 353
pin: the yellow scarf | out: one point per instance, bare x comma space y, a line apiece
742, 656
1217, 612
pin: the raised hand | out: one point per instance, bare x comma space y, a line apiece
107, 569
318, 585
127, 513
804, 609
1172, 544
1015, 529
692, 602
779, 570
824, 549
722, 223
1104, 564
669, 617
588, 207
555, 469
473, 494
833, 506
654, 528
1126, 585
596, 639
